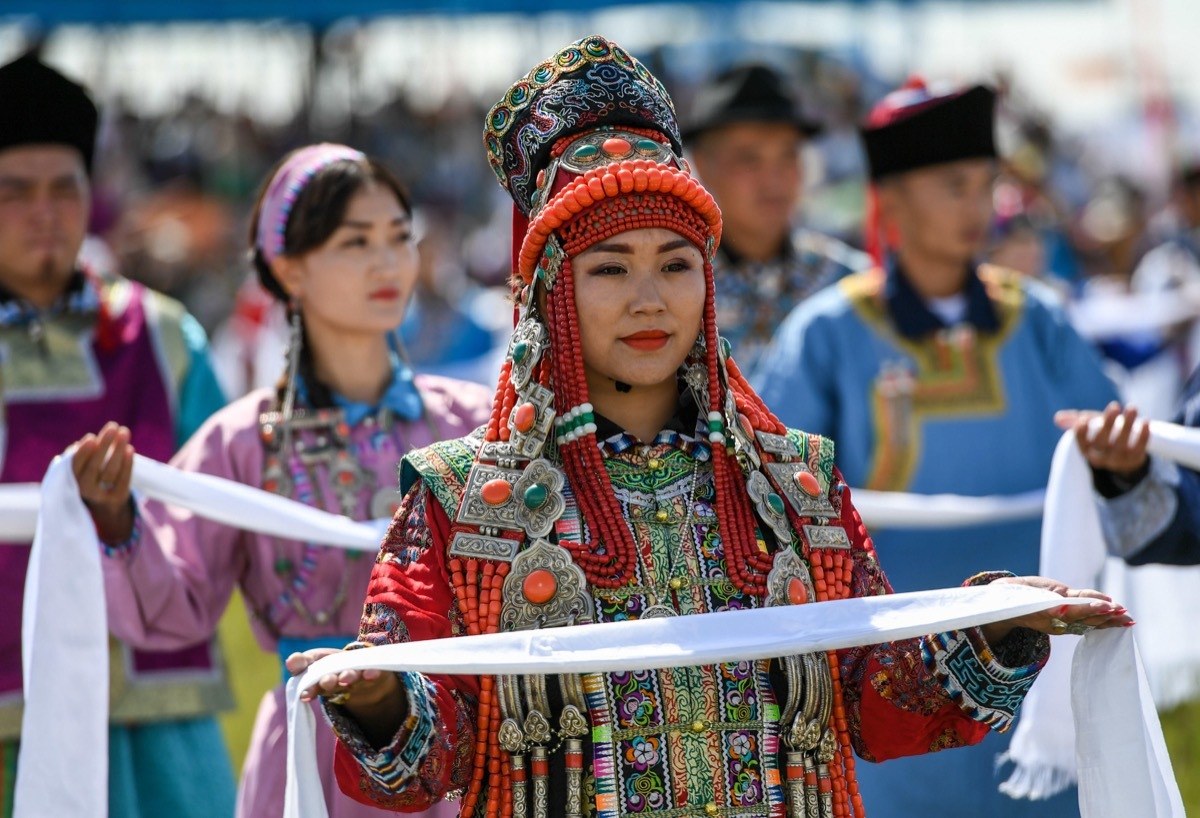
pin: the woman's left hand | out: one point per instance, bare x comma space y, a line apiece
1099, 612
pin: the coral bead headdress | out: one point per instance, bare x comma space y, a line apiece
588, 146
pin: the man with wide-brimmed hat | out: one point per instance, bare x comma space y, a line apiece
746, 134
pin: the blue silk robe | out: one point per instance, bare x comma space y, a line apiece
916, 406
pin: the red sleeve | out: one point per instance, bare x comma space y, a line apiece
410, 598
896, 705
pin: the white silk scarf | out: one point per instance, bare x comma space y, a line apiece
56, 646
1047, 743
1111, 315
64, 635
19, 511
1113, 699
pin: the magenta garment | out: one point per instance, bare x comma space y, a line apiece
172, 586
132, 383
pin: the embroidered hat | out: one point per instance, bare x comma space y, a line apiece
587, 144
912, 128
42, 107
747, 93
585, 177
590, 84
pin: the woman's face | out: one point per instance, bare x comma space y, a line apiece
640, 300
360, 279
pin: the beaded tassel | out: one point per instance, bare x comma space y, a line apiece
844, 786
581, 456
748, 563
477, 585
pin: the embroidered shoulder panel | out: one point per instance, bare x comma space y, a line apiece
1006, 290
444, 467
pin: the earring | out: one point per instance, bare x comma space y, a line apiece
295, 341
695, 372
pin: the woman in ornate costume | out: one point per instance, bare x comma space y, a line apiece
332, 238
629, 471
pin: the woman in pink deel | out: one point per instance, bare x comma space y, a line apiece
332, 238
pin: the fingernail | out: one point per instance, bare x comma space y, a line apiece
1130, 623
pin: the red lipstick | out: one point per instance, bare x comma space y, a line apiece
385, 294
647, 340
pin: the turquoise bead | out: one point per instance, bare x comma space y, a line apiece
520, 350
586, 151
775, 502
647, 146
536, 495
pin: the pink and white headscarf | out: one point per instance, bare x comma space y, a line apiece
285, 187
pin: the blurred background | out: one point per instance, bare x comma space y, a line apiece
1100, 108
201, 97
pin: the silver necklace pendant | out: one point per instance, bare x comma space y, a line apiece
658, 611
348, 479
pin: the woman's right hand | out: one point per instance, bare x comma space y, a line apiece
103, 466
373, 698
362, 686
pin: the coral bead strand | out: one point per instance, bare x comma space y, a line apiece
733, 508
503, 387
582, 460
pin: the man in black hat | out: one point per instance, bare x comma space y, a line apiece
745, 136
80, 349
937, 375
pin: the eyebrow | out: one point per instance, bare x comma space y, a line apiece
396, 222
25, 181
616, 247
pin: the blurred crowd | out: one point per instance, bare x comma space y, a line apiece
173, 193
